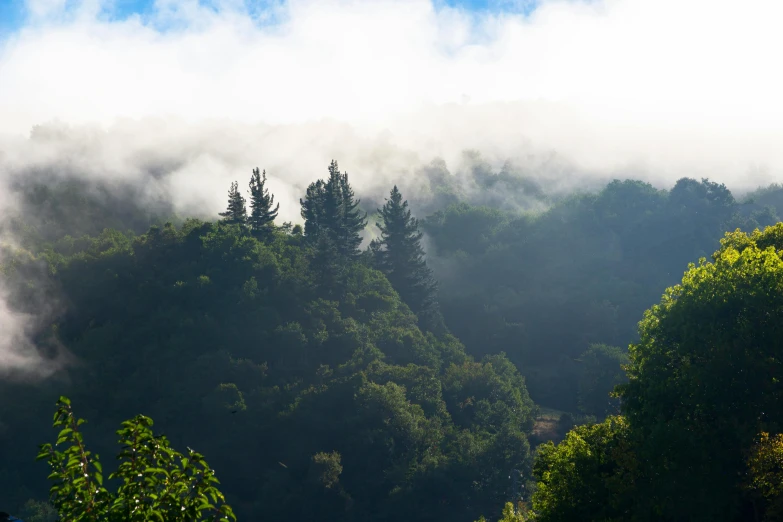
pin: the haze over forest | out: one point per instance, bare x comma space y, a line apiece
563, 162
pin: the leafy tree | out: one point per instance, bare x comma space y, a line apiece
490, 390
262, 215
327, 469
765, 480
705, 378
399, 255
766, 197
236, 213
590, 476
158, 483
702, 399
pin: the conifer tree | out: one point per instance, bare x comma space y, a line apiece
312, 209
330, 208
262, 215
353, 220
326, 265
399, 255
236, 213
332, 217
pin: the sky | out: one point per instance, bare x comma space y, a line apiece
657, 89
14, 14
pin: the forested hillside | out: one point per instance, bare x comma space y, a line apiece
328, 377
544, 286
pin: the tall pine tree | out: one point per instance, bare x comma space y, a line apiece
330, 208
353, 220
313, 209
399, 255
332, 217
236, 213
262, 215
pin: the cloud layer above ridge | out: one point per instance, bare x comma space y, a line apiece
672, 87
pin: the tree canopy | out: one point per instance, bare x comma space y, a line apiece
342, 406
313, 367
701, 408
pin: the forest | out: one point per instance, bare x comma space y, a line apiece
464, 347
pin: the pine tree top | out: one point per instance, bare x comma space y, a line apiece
262, 215
236, 213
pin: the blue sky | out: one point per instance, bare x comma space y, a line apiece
13, 12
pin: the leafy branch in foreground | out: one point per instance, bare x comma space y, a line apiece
158, 482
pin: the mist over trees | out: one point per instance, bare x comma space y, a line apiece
407, 358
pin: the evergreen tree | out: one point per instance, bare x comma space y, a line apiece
330, 208
353, 220
398, 254
327, 268
236, 213
262, 215
312, 209
333, 208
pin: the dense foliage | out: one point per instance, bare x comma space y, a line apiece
542, 286
158, 482
327, 381
700, 435
307, 400
588, 476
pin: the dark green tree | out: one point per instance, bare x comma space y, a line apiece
704, 380
236, 213
330, 208
333, 208
353, 221
262, 215
326, 266
312, 209
589, 476
399, 255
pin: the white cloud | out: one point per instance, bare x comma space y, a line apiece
678, 86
